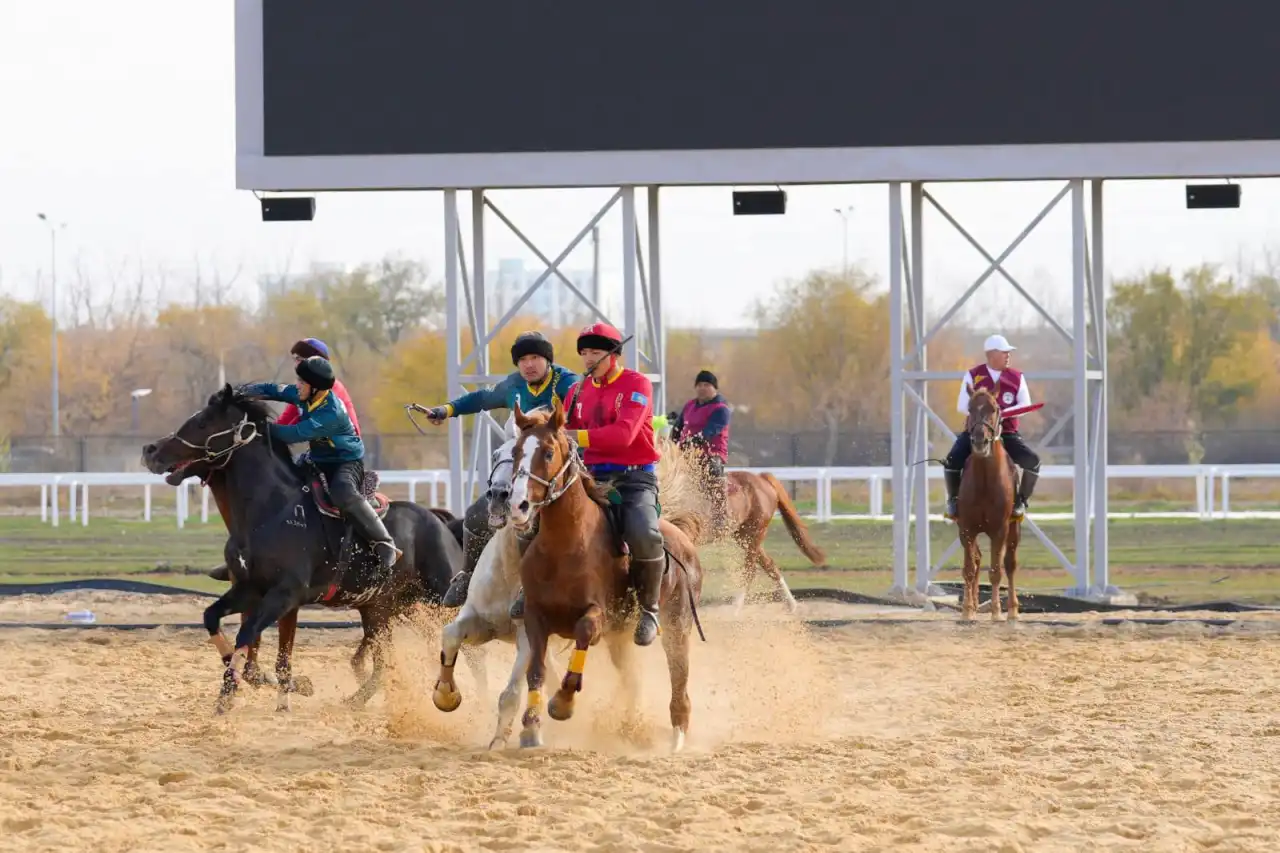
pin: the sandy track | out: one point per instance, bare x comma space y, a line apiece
917, 738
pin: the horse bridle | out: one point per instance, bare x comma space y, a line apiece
994, 430
554, 494
238, 440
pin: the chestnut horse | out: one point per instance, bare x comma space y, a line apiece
576, 583
985, 505
752, 501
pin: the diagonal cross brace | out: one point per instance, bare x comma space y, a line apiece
553, 268
995, 263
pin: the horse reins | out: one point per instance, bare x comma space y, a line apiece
211, 455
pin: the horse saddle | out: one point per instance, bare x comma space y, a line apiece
369, 488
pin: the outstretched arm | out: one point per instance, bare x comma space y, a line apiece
484, 400
272, 391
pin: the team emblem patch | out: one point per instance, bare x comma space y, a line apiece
637, 397
1008, 397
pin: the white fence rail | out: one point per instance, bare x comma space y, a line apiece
1212, 489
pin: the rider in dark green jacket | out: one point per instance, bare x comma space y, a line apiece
336, 449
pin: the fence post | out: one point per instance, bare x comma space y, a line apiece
146, 502
84, 505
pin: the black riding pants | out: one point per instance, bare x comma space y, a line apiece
1022, 455
476, 532
639, 493
346, 480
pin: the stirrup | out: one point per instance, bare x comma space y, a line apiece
396, 553
1019, 508
645, 635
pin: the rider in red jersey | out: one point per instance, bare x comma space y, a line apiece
611, 416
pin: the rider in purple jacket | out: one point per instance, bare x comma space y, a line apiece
704, 423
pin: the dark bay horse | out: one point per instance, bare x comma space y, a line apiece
985, 505
283, 549
576, 581
374, 629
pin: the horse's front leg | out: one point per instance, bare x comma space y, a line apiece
234, 600
446, 696
531, 722
969, 597
997, 570
1011, 543
509, 699
286, 681
586, 632
281, 599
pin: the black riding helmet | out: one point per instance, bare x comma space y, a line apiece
316, 372
532, 343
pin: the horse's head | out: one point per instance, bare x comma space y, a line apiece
208, 439
983, 424
542, 462
500, 477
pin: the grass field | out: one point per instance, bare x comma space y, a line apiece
1166, 560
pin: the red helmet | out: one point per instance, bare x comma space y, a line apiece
600, 336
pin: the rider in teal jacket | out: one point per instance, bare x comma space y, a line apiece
537, 381
336, 448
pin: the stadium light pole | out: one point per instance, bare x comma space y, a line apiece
53, 309
136, 395
843, 213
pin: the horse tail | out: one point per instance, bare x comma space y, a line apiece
795, 525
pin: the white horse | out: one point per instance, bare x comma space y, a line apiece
485, 615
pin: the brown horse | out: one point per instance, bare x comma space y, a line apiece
576, 583
752, 501
985, 505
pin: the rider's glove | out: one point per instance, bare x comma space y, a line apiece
435, 414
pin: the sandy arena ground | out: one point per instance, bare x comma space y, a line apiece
920, 738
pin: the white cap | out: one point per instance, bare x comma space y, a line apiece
997, 342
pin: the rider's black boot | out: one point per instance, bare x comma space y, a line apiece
952, 480
1025, 490
375, 533
647, 577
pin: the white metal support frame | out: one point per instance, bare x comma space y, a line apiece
910, 414
467, 306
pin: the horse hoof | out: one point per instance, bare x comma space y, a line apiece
445, 699
560, 709
677, 740
530, 739
303, 686
498, 743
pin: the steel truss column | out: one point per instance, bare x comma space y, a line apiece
646, 351
909, 373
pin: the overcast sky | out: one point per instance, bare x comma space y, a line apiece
118, 119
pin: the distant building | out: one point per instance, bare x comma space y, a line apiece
272, 285
552, 302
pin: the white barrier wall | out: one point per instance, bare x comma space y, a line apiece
1213, 489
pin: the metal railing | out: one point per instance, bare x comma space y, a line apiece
1212, 489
